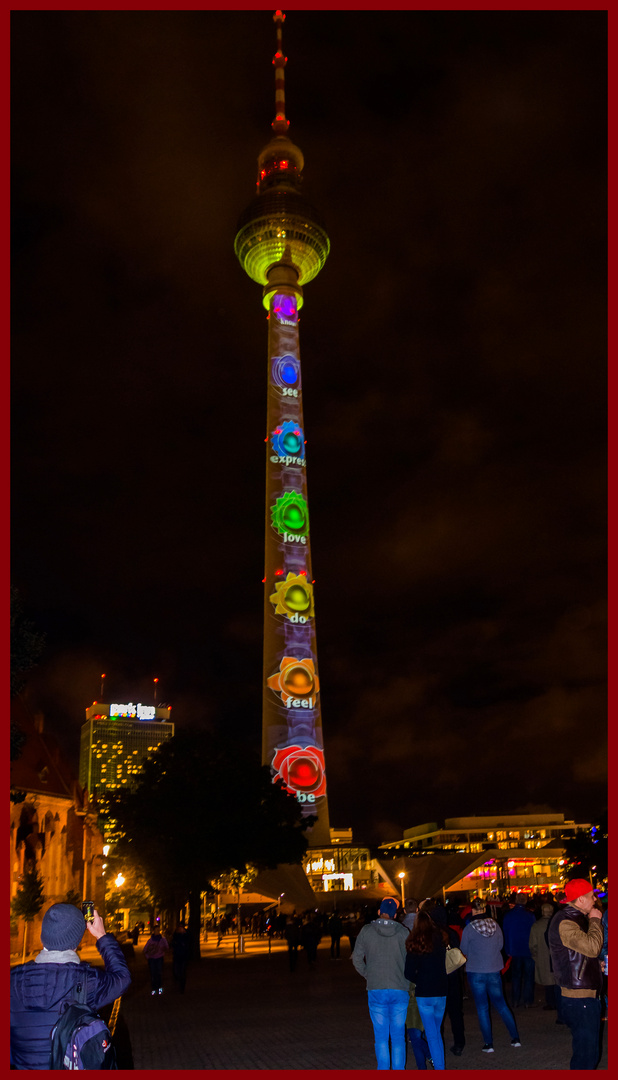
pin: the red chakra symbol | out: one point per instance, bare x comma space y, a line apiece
301, 769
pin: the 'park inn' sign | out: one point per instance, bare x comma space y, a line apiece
142, 712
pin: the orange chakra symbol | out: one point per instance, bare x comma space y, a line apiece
295, 679
294, 598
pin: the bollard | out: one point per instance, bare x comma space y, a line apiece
269, 942
234, 953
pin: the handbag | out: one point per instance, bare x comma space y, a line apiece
454, 959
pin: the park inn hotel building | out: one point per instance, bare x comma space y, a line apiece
114, 741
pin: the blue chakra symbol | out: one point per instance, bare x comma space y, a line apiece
288, 439
285, 371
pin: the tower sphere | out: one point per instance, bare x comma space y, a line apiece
280, 229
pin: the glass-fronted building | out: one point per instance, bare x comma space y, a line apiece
114, 741
506, 851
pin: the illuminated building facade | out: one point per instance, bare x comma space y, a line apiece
523, 852
281, 244
342, 867
54, 828
114, 741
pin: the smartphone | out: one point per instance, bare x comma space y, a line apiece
88, 910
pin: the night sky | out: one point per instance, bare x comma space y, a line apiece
453, 353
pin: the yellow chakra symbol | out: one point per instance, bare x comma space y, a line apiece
295, 679
294, 598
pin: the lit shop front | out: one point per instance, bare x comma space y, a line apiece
497, 876
339, 869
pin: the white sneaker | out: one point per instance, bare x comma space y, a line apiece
515, 1042
487, 1049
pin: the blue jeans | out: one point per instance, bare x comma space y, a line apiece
486, 987
559, 1000
583, 1016
522, 980
432, 1011
388, 1010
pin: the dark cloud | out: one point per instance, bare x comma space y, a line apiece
453, 372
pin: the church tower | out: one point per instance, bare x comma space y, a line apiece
282, 244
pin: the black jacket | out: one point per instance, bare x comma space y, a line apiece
39, 990
428, 970
572, 969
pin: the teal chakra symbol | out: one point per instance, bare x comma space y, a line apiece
288, 440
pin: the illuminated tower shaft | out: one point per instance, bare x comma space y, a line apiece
282, 244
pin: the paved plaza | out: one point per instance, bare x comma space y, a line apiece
250, 1012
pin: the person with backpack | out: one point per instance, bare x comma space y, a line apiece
45, 988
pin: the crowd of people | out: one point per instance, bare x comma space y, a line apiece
558, 943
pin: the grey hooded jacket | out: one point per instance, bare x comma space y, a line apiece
380, 955
481, 943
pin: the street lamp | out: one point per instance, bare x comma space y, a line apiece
401, 875
119, 882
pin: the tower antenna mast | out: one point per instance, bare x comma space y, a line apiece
280, 124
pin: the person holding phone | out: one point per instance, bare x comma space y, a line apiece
575, 936
40, 988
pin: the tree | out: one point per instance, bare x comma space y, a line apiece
239, 880
29, 898
130, 892
203, 807
587, 851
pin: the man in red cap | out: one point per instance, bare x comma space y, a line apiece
575, 937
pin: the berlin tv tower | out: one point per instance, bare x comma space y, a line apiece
282, 244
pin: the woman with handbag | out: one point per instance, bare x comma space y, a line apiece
454, 982
426, 967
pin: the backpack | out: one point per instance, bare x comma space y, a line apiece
81, 1039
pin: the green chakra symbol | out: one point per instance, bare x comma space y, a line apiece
290, 514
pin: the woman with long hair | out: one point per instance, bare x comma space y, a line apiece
426, 968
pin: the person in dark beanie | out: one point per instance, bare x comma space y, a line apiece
40, 988
575, 937
379, 956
